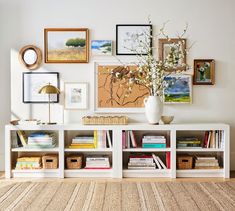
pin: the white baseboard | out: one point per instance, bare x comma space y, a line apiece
232, 161
2, 162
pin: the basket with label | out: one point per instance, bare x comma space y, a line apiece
50, 162
185, 162
74, 162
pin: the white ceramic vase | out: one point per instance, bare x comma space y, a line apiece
153, 109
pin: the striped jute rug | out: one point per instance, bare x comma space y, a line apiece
121, 195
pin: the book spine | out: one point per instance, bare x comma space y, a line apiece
154, 145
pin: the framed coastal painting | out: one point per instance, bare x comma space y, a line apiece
204, 72
64, 45
166, 46
115, 96
33, 82
133, 39
76, 95
101, 48
179, 89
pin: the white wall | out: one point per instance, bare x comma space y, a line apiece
211, 25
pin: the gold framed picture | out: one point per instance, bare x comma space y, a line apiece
66, 45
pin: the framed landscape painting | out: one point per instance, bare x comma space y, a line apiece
101, 47
131, 39
114, 96
179, 89
204, 72
76, 95
66, 45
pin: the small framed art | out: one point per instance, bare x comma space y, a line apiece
204, 72
131, 39
101, 48
76, 95
65, 45
179, 89
33, 82
165, 48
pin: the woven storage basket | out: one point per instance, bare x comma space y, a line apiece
50, 162
74, 162
185, 162
105, 120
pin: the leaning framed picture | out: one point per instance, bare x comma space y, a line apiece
165, 47
178, 89
204, 72
76, 95
33, 82
66, 45
114, 96
133, 39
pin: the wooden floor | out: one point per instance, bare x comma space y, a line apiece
2, 178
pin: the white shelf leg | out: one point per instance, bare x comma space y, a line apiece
173, 153
7, 152
61, 153
227, 152
117, 153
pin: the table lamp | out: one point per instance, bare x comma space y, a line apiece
49, 89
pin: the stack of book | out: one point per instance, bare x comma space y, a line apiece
100, 139
206, 163
41, 140
141, 162
28, 163
188, 142
128, 139
154, 142
214, 139
97, 162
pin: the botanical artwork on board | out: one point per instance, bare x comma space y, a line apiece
101, 47
178, 89
204, 72
66, 45
114, 93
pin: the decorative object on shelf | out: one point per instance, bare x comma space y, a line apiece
105, 120
173, 49
204, 72
76, 95
28, 163
32, 83
50, 161
31, 57
167, 119
184, 162
74, 162
66, 45
114, 95
130, 36
178, 89
101, 48
49, 90
154, 74
153, 109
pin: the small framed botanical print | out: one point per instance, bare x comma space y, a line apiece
76, 95
65, 45
133, 39
204, 72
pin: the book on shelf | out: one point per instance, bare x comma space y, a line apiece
24, 163
129, 139
97, 162
41, 140
152, 145
188, 142
153, 141
214, 139
206, 162
22, 137
29, 122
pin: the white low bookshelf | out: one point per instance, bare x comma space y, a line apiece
118, 155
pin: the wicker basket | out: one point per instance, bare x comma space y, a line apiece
74, 162
185, 162
50, 162
105, 120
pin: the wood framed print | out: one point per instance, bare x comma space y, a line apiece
66, 45
165, 46
114, 96
129, 39
76, 95
204, 72
101, 48
34, 81
179, 89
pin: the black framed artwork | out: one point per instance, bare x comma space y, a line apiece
33, 82
133, 39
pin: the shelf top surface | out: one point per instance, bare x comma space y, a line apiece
131, 126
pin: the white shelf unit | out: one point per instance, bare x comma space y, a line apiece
116, 152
